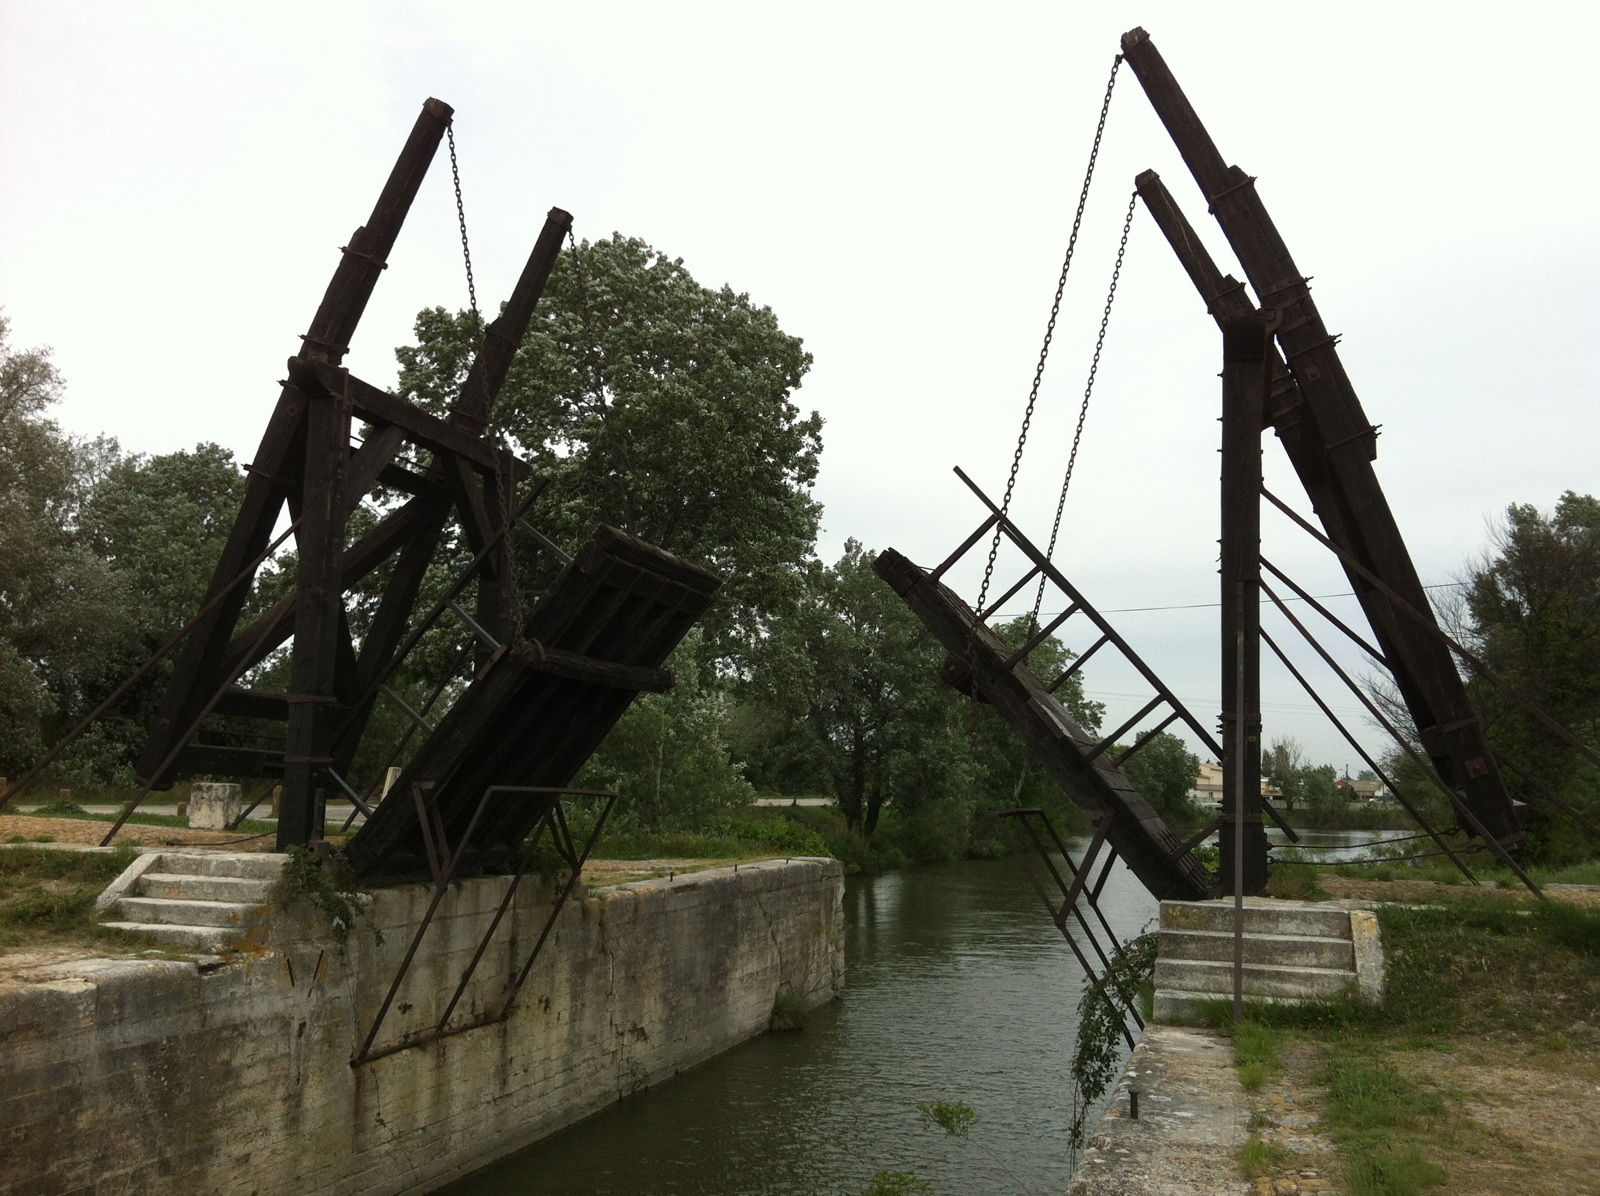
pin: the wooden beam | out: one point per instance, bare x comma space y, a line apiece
1337, 438
429, 431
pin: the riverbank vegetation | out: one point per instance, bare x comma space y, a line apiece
1476, 1073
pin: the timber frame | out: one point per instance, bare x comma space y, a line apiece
1317, 416
536, 708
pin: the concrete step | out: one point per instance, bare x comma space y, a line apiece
228, 915
1260, 980
1294, 950
1262, 915
209, 939
252, 865
180, 887
1176, 1007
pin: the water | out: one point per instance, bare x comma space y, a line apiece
958, 988
1337, 846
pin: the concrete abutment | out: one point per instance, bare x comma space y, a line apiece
235, 1074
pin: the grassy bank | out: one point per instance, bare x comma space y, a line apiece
47, 899
1475, 1074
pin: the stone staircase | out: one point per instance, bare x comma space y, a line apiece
1292, 952
199, 900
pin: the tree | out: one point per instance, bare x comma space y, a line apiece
1282, 765
856, 670
1532, 610
1164, 772
661, 407
668, 759
64, 623
160, 523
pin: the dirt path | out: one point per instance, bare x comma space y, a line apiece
1429, 892
27, 828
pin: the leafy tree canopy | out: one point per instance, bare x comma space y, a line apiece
1533, 612
661, 407
63, 625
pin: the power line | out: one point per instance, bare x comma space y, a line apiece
1128, 610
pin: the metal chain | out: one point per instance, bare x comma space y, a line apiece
1049, 334
461, 221
1088, 390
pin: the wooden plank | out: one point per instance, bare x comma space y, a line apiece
200, 668
429, 431
229, 761
538, 711
360, 559
274, 472
1139, 834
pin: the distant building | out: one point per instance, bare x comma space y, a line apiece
1359, 790
1207, 787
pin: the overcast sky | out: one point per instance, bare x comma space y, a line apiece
897, 183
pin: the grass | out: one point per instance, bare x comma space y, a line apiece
250, 826
1446, 873
1486, 969
1259, 1157
1295, 881
47, 898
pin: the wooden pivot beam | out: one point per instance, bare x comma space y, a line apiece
276, 465
306, 463
1243, 841
1329, 439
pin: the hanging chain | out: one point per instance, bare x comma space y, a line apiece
1049, 334
1088, 389
461, 221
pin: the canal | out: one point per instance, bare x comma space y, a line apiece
958, 988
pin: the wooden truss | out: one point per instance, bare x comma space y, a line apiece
308, 468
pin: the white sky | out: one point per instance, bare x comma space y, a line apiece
897, 183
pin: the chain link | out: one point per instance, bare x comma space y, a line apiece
461, 221
1088, 389
1049, 334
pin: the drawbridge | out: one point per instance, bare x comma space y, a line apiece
1281, 372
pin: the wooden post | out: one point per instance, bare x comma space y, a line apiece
201, 670
1332, 445
1243, 840
319, 607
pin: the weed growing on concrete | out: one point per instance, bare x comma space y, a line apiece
327, 881
1097, 1059
1259, 1157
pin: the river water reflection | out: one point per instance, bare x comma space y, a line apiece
958, 987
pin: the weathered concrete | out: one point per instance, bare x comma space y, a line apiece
235, 1074
1293, 951
214, 805
1193, 1120
198, 900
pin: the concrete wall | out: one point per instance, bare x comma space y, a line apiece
139, 1075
